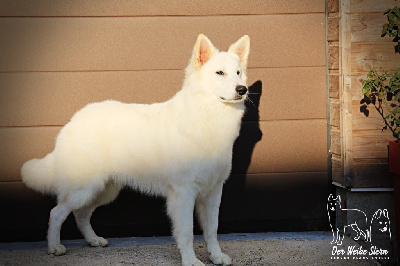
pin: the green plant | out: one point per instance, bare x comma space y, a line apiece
383, 91
392, 27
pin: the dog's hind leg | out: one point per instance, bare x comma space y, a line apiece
207, 208
67, 202
83, 215
57, 216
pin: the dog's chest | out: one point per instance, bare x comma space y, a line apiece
213, 170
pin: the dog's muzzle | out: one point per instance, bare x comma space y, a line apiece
241, 92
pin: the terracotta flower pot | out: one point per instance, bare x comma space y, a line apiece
394, 168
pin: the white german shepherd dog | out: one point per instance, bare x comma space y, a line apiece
180, 149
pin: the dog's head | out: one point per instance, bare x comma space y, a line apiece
381, 219
223, 74
333, 203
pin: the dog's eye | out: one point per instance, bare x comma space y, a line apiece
238, 72
221, 73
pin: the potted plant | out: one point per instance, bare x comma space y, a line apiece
382, 90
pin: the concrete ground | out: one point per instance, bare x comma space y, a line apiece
307, 248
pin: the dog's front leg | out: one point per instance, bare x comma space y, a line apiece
180, 204
208, 209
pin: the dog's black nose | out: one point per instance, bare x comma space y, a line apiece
241, 90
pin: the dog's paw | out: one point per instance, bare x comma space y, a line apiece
98, 242
192, 262
221, 259
57, 249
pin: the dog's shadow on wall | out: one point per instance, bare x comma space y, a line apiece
250, 132
233, 205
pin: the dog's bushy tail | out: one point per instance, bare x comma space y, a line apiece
38, 174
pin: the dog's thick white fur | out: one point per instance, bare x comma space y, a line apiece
180, 149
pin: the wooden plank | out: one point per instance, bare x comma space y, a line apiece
336, 142
360, 122
129, 43
367, 6
281, 151
371, 144
334, 108
372, 173
21, 144
309, 86
154, 8
273, 153
367, 27
374, 121
356, 81
333, 55
52, 98
34, 99
333, 27
364, 56
333, 6
371, 161
333, 85
333, 71
345, 51
337, 169
291, 99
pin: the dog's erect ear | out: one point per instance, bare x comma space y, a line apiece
338, 199
242, 49
385, 213
202, 51
377, 214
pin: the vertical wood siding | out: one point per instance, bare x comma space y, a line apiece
365, 148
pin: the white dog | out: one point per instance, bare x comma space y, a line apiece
180, 149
